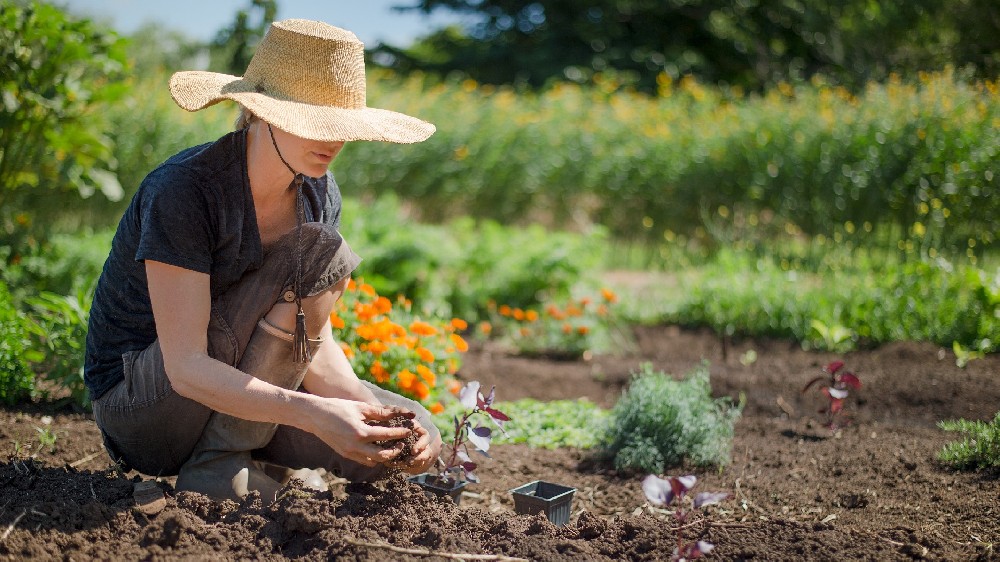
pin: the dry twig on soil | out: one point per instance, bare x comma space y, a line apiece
10, 528
425, 552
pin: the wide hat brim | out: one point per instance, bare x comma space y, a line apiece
195, 90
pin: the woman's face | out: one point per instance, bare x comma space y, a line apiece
308, 157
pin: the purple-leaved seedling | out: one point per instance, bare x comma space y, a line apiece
836, 392
666, 491
457, 464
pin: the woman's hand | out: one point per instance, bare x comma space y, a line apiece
347, 427
425, 452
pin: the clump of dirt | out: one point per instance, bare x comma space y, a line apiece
406, 452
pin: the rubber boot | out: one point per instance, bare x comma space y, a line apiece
220, 465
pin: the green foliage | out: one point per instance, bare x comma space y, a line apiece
752, 44
234, 45
546, 425
59, 264
907, 166
660, 422
59, 329
16, 377
979, 450
59, 77
459, 267
835, 307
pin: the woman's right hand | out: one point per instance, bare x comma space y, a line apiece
349, 427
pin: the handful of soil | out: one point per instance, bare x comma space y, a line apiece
406, 453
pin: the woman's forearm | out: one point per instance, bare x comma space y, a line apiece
330, 374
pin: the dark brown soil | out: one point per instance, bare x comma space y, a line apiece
873, 491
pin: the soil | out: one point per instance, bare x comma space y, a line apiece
871, 491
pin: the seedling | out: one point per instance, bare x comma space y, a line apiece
673, 489
46, 437
836, 392
457, 464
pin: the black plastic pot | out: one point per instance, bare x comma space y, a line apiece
433, 484
554, 500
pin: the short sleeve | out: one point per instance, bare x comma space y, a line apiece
175, 221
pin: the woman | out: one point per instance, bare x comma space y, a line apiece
209, 353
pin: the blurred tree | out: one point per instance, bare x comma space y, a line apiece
56, 75
234, 45
750, 43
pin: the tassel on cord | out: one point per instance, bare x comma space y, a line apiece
300, 353
300, 341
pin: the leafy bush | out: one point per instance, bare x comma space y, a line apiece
661, 422
59, 76
459, 267
59, 330
17, 381
395, 348
570, 329
979, 450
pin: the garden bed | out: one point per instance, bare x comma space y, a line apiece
872, 491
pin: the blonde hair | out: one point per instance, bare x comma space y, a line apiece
244, 119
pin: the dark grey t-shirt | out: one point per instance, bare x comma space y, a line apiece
194, 211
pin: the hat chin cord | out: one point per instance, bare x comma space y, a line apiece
300, 349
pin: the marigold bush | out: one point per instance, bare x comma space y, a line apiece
572, 327
390, 345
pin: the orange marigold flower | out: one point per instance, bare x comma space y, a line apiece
348, 350
352, 285
525, 332
336, 322
436, 408
609, 295
584, 302
422, 328
454, 386
427, 374
582, 330
566, 328
377, 347
421, 390
531, 316
518, 314
383, 305
367, 289
425, 354
602, 310
379, 373
406, 379
554, 312
452, 366
459, 324
504, 310
573, 310
485, 328
460, 343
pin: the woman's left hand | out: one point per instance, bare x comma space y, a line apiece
425, 451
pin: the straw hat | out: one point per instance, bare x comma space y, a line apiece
306, 78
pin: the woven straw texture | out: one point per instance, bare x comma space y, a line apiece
306, 78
